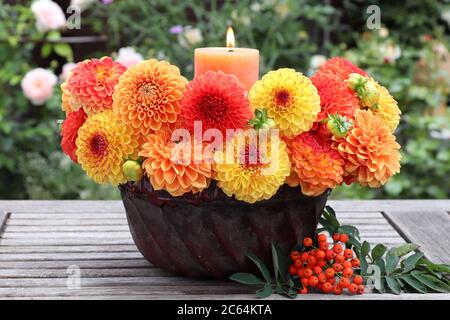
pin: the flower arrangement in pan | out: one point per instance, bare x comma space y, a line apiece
149, 122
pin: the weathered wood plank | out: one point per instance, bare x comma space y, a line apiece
65, 235
68, 222
85, 273
4, 215
81, 229
429, 229
86, 264
67, 249
68, 256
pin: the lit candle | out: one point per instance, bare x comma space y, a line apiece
242, 62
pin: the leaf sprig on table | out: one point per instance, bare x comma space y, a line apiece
398, 270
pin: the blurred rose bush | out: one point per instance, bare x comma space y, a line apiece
408, 54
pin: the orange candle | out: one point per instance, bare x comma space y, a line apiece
242, 62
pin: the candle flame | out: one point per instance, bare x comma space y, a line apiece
230, 38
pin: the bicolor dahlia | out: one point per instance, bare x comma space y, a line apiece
387, 108
103, 144
370, 150
317, 165
250, 174
217, 100
335, 96
92, 83
340, 67
148, 96
68, 102
177, 167
290, 98
69, 132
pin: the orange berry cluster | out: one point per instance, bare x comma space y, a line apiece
327, 268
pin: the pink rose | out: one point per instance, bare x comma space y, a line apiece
128, 57
66, 71
48, 14
37, 85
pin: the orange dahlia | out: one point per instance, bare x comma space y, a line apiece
370, 150
177, 167
69, 132
217, 100
103, 144
91, 83
340, 67
148, 96
68, 102
335, 96
317, 165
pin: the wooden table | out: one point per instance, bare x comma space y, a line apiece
45, 244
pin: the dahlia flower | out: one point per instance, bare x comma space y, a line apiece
103, 144
68, 102
92, 83
340, 67
317, 165
370, 150
148, 96
290, 98
69, 132
171, 165
251, 173
216, 99
387, 108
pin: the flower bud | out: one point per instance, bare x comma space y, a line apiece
370, 94
133, 170
356, 81
338, 125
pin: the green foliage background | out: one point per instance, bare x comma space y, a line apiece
287, 32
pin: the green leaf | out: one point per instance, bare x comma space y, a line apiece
411, 262
444, 285
280, 262
246, 278
365, 248
46, 50
391, 262
53, 36
413, 283
435, 267
265, 292
261, 266
363, 265
404, 249
428, 282
378, 251
64, 50
393, 285
349, 230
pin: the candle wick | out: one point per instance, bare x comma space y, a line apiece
230, 50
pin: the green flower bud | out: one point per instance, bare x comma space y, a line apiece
133, 170
356, 81
338, 125
370, 94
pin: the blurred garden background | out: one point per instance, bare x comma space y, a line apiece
408, 53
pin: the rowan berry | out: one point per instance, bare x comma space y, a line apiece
344, 282
348, 253
358, 280
343, 238
311, 260
317, 270
347, 264
323, 245
337, 248
339, 258
332, 280
321, 263
355, 262
304, 281
352, 288
330, 273
303, 291
360, 289
337, 289
300, 272
298, 263
329, 255
313, 281
320, 255
304, 256
322, 277
307, 242
292, 270
336, 237
327, 287
307, 273
321, 237
337, 267
347, 272
295, 255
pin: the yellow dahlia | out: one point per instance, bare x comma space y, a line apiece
387, 108
173, 166
248, 173
370, 150
103, 143
290, 99
148, 95
317, 165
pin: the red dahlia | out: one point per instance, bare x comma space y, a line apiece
340, 67
69, 132
216, 99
